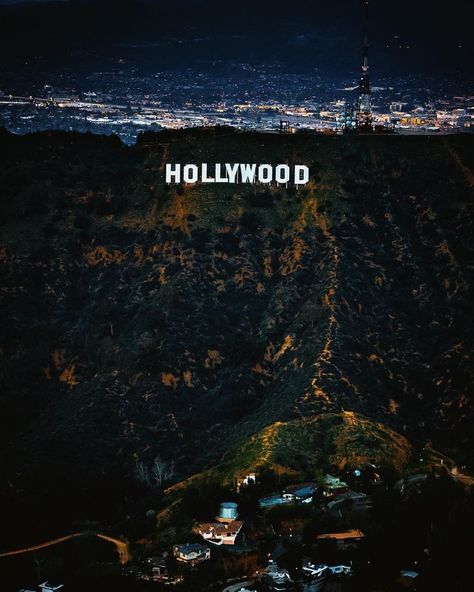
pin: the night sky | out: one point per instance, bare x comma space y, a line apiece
406, 36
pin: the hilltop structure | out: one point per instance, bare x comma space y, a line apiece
364, 107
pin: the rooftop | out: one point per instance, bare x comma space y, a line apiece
190, 547
301, 487
219, 528
353, 533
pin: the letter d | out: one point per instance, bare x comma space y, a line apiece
301, 174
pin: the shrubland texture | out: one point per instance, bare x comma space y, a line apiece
228, 326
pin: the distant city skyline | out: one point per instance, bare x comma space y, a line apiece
124, 67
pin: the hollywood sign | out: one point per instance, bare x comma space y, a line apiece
237, 173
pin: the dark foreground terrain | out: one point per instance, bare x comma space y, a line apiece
222, 328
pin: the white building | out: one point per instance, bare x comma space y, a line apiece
245, 479
48, 587
192, 553
218, 533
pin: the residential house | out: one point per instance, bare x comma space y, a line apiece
192, 553
276, 579
158, 568
356, 498
219, 533
408, 580
245, 479
313, 576
301, 492
273, 500
333, 486
344, 540
340, 570
49, 587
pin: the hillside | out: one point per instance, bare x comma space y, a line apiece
227, 326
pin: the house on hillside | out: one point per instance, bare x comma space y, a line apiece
333, 486
408, 580
277, 579
219, 533
272, 501
245, 479
191, 553
344, 540
340, 570
49, 587
313, 576
158, 567
301, 492
356, 498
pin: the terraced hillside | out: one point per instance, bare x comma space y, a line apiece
227, 326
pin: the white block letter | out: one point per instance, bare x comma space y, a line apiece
205, 178
265, 173
190, 173
282, 173
232, 170
301, 174
219, 177
173, 172
247, 172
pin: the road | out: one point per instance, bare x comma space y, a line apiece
402, 484
442, 462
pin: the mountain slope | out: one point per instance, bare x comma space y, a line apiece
188, 322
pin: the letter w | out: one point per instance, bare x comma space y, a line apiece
247, 172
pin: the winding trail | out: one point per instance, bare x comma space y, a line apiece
121, 546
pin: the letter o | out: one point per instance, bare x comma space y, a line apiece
190, 173
265, 173
282, 173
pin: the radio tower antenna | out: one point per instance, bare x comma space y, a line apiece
364, 109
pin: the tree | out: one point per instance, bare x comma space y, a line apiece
155, 475
142, 473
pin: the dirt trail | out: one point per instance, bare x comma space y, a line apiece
121, 546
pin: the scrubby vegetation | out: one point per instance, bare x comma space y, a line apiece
219, 327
